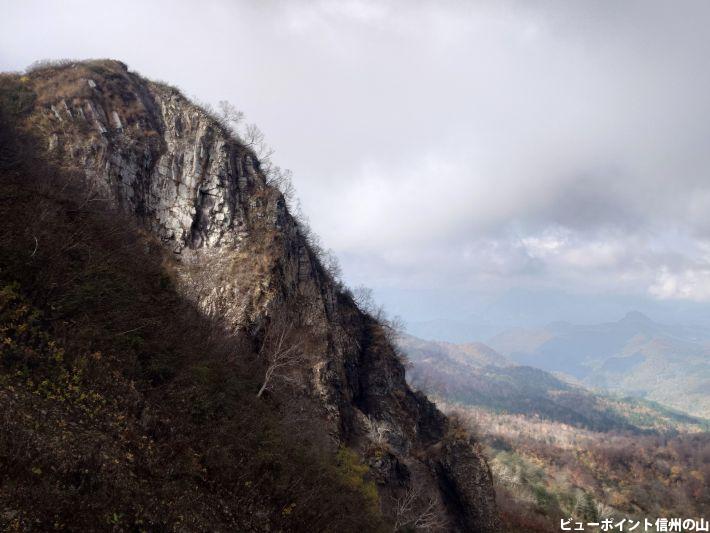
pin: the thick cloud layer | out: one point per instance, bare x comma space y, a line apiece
450, 145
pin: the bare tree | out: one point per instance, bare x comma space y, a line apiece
282, 180
430, 517
280, 353
403, 508
232, 119
250, 134
254, 139
332, 265
377, 432
230, 116
362, 296
414, 511
365, 301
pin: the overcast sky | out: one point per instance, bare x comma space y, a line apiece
460, 147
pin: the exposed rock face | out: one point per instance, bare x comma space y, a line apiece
465, 478
240, 255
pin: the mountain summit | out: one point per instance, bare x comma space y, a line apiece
230, 248
637, 317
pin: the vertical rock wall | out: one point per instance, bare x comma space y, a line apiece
242, 258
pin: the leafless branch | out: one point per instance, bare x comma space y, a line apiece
280, 352
415, 511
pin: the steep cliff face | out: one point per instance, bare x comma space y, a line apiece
240, 256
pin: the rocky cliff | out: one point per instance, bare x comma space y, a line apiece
234, 250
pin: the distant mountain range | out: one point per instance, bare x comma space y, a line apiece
466, 315
557, 449
475, 374
634, 356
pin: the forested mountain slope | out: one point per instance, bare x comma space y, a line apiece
558, 450
635, 355
175, 356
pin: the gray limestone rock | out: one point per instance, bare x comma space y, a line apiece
243, 259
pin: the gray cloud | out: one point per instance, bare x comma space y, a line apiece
482, 144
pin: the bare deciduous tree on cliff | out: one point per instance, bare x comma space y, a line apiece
413, 510
230, 116
280, 352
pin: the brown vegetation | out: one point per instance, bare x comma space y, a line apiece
122, 408
546, 470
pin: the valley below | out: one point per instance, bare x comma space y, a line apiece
558, 450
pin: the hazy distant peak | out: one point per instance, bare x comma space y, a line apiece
636, 316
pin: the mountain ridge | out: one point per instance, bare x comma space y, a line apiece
525, 390
558, 450
635, 355
236, 253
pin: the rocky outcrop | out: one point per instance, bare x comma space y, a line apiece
465, 480
237, 252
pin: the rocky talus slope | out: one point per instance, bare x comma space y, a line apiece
235, 251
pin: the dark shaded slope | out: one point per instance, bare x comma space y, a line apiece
225, 240
123, 407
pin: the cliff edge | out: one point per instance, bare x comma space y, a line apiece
236, 252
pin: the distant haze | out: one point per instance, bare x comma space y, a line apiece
454, 153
